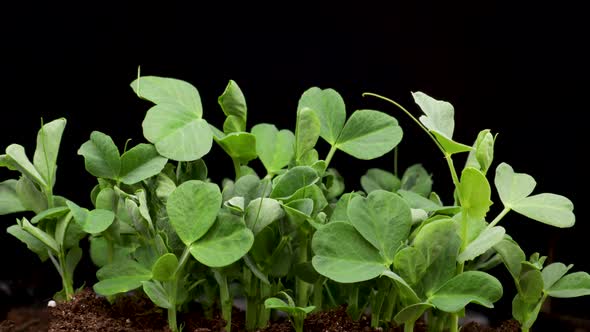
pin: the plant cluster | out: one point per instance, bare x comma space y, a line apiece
289, 237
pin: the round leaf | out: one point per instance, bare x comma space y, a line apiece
101, 156
512, 186
330, 109
369, 134
141, 162
177, 132
163, 90
274, 148
295, 179
192, 208
571, 285
471, 286
240, 146
164, 267
550, 209
226, 242
343, 255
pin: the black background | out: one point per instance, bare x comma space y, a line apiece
515, 69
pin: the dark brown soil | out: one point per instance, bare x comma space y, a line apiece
88, 312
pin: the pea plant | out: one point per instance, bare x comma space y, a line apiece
282, 232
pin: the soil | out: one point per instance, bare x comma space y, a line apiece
89, 312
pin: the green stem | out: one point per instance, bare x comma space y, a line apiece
263, 313
251, 313
302, 288
298, 320
395, 160
66, 279
454, 323
172, 323
499, 217
409, 326
236, 168
318, 295
389, 308
353, 302
376, 306
333, 149
225, 297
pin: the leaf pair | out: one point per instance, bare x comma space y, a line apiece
102, 159
367, 134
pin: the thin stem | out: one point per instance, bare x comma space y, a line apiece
409, 114
65, 277
225, 298
302, 288
236, 168
409, 326
333, 149
182, 261
395, 160
318, 295
454, 323
499, 217
172, 323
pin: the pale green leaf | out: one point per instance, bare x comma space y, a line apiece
240, 146
486, 240
511, 186
295, 179
412, 312
307, 132
471, 286
383, 218
23, 164
162, 90
52, 213
344, 256
141, 162
482, 154
511, 255
227, 241
73, 257
164, 267
9, 200
551, 209
475, 193
261, 212
376, 178
369, 134
30, 196
274, 148
553, 272
417, 179
42, 236
571, 285
157, 294
439, 114
48, 141
101, 156
531, 285
192, 209
34, 244
330, 109
233, 104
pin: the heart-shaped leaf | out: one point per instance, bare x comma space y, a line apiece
511, 186
141, 162
376, 178
343, 255
192, 209
163, 90
227, 241
383, 218
369, 134
274, 148
553, 272
240, 146
471, 286
330, 109
550, 209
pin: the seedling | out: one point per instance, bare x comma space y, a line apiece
296, 314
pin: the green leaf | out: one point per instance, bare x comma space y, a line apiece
192, 209
482, 154
23, 164
383, 218
340, 212
471, 286
369, 134
512, 187
439, 120
177, 132
416, 179
484, 241
550, 209
52, 213
233, 104
439, 243
525, 313
164, 267
274, 148
99, 251
330, 109
553, 272
410, 264
9, 200
121, 276
261, 212
276, 303
34, 244
226, 242
40, 235
512, 256
157, 294
417, 201
571, 285
239, 146
30, 196
314, 193
48, 141
101, 156
412, 312
376, 178
344, 256
307, 132
296, 178
475, 193
162, 90
73, 257
531, 285
141, 162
